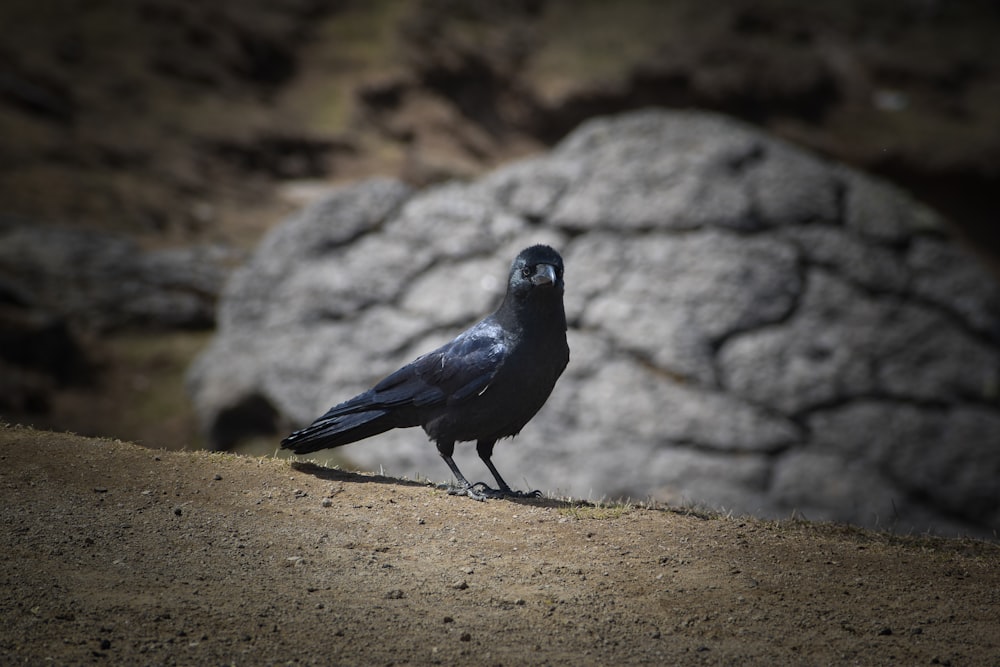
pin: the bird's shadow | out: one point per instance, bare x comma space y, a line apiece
337, 475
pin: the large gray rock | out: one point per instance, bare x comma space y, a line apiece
751, 327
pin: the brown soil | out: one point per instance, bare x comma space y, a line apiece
123, 555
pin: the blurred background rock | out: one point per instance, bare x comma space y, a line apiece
146, 147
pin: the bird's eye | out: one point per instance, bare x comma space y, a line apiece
527, 272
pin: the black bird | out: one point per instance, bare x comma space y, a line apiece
484, 385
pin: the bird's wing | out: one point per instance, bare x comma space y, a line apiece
450, 374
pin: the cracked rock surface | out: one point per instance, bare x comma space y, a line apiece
751, 327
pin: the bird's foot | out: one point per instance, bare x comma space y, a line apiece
478, 491
511, 493
481, 491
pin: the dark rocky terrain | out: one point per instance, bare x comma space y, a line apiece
146, 147
190, 129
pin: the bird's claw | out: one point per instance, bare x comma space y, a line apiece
481, 491
523, 494
478, 491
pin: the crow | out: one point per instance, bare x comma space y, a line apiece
484, 385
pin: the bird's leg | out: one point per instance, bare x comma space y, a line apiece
463, 488
485, 450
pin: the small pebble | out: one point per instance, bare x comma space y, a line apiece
466, 637
217, 477
460, 585
395, 594
326, 502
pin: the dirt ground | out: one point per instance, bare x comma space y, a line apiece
119, 554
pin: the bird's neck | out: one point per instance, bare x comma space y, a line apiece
537, 313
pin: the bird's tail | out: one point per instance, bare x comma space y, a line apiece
336, 430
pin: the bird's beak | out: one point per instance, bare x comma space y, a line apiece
545, 274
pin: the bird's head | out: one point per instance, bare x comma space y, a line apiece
534, 299
536, 271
